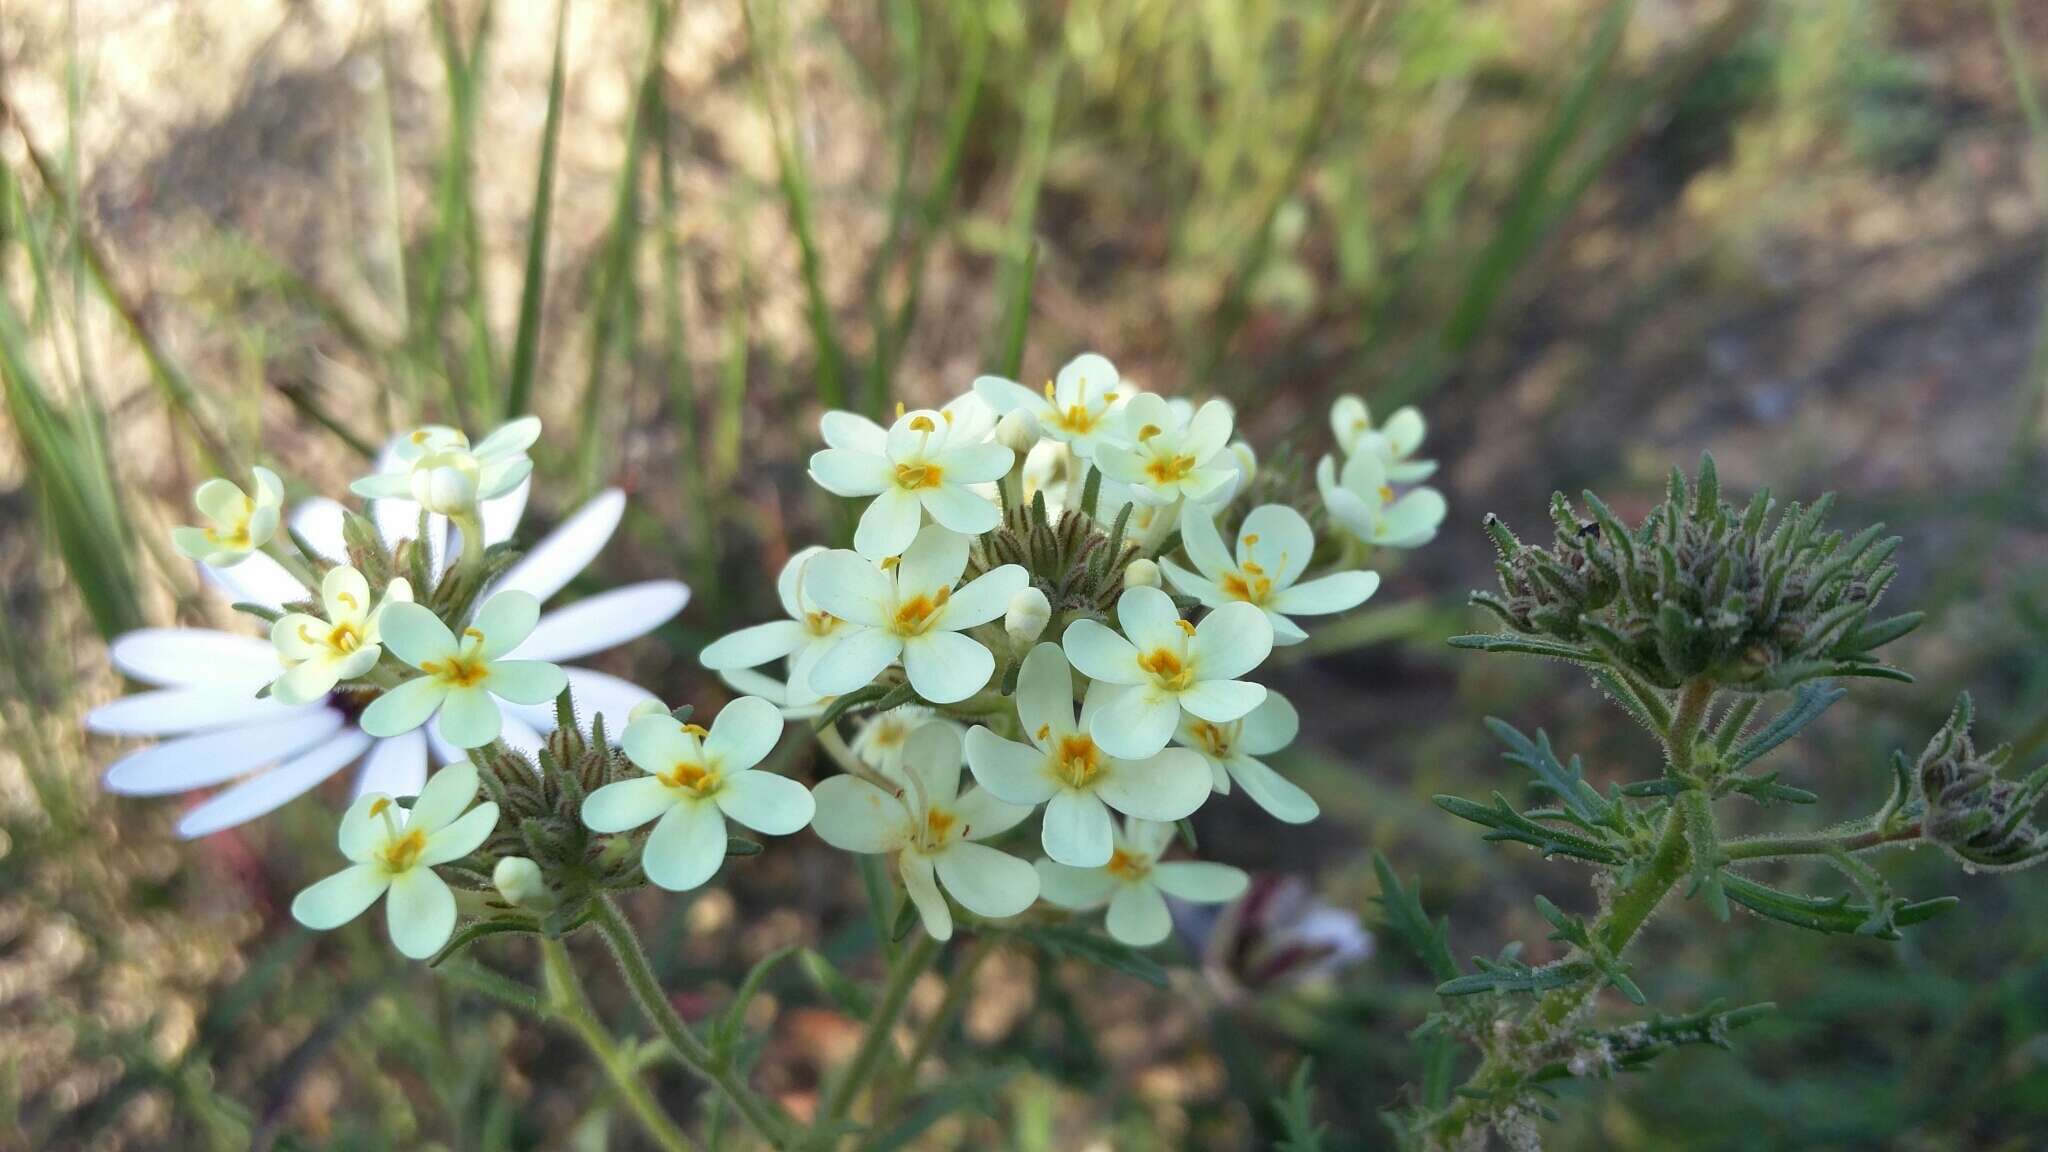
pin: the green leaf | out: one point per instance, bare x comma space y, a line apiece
1517, 978
826, 977
1807, 705
1296, 1111
1526, 646
726, 1031
477, 930
1508, 824
1081, 944
526, 341
1566, 782
1403, 916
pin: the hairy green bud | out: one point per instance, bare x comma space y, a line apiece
1971, 809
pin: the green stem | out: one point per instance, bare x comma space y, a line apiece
570, 1005
958, 985
1858, 840
875, 1040
654, 1004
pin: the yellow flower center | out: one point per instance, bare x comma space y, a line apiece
915, 615
401, 854
1214, 738
458, 671
938, 825
1251, 585
1166, 667
820, 623
916, 476
696, 779
1386, 493
1125, 866
1169, 469
1077, 761
345, 638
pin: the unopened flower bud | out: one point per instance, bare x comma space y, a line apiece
1017, 431
1247, 462
445, 483
519, 881
1025, 622
1142, 573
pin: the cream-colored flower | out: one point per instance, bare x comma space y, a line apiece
237, 523
1135, 882
928, 462
318, 654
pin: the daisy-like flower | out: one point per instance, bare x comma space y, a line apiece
237, 523
1135, 883
883, 736
1273, 548
1075, 409
1165, 458
438, 468
809, 632
1233, 750
927, 462
934, 831
1361, 501
1166, 667
1396, 441
318, 654
1064, 769
463, 677
909, 610
695, 780
394, 851
262, 754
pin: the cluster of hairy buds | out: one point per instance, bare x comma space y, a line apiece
1074, 561
1755, 599
1971, 809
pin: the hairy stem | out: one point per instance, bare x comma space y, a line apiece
875, 1040
654, 1004
568, 1004
1860, 839
958, 985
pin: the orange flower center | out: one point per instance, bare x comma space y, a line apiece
696, 779
1166, 666
458, 671
915, 615
403, 852
1214, 738
1076, 760
938, 825
1169, 469
916, 476
1125, 866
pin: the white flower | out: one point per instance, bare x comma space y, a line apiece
1168, 666
883, 736
1064, 769
1052, 468
264, 754
1148, 525
236, 522
927, 460
394, 851
932, 828
1233, 749
1362, 503
750, 682
438, 469
1135, 884
696, 779
1074, 409
463, 677
1273, 548
1165, 459
909, 610
318, 654
1396, 441
807, 635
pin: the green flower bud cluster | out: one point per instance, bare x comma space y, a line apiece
1972, 810
1754, 599
1071, 558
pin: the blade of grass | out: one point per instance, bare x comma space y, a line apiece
907, 29
679, 368
1020, 260
2033, 388
526, 341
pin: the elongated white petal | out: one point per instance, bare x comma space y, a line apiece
846, 472
889, 524
451, 790
1150, 619
752, 647
766, 802
987, 882
1199, 881
960, 509
1277, 539
743, 733
1011, 771
1282, 798
1221, 701
1201, 588
855, 816
933, 755
567, 550
318, 522
850, 587
340, 898
596, 693
404, 708
933, 561
973, 464
686, 846
196, 761
984, 598
419, 912
923, 891
982, 814
268, 791
470, 718
1100, 654
258, 579
1076, 829
465, 835
1135, 723
854, 660
947, 666
414, 634
1338, 592
1271, 726
167, 711
1075, 888
501, 514
532, 682
1204, 544
193, 656
627, 804
396, 766
1230, 642
1138, 917
505, 620
1045, 695
1169, 786
852, 431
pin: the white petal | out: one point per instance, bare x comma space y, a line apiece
889, 524
501, 514
855, 816
1221, 701
419, 912
854, 660
530, 682
1338, 592
567, 550
984, 598
856, 432
1204, 544
946, 667
1100, 654
846, 472
1271, 726
1135, 723
1169, 786
1045, 695
924, 893
268, 791
1150, 619
755, 646
462, 837
594, 693
196, 761
1277, 539
193, 656
743, 733
396, 766
932, 754
959, 509
318, 522
1076, 829
987, 882
1230, 642
1200, 881
933, 561
1075, 888
686, 846
766, 802
340, 898
470, 718
259, 579
1413, 519
1279, 796
414, 634
1012, 772
624, 805
444, 798
603, 621
403, 708
167, 711
850, 587
504, 621
982, 815
1138, 917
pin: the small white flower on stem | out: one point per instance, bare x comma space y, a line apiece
1396, 442
1273, 548
463, 676
807, 635
927, 462
395, 851
1063, 768
933, 830
438, 469
696, 780
1166, 667
1233, 750
908, 609
1362, 502
237, 523
1135, 884
883, 737
1074, 409
1165, 459
318, 654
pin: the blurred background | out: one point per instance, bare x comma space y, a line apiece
1592, 238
